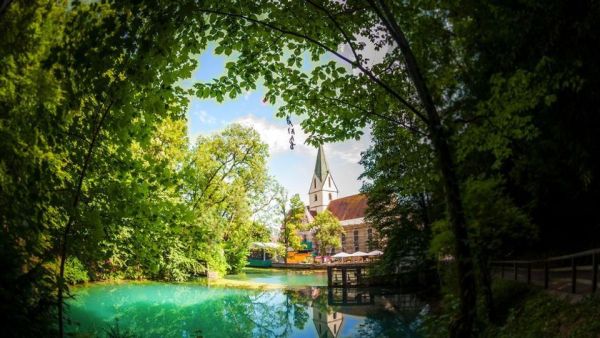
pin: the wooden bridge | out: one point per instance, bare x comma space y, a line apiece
576, 273
348, 275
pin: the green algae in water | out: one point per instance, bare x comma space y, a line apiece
188, 310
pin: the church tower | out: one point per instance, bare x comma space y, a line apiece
322, 187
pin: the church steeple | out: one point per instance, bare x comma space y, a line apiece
322, 188
321, 167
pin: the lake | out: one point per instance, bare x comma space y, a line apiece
152, 309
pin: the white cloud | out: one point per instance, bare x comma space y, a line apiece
204, 117
343, 157
275, 135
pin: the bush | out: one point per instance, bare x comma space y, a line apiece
531, 312
75, 272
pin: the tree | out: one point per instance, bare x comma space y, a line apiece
223, 172
404, 195
32, 169
260, 232
328, 231
96, 85
293, 221
265, 204
117, 88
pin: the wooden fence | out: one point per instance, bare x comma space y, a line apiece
578, 271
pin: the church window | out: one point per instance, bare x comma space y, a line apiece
315, 183
329, 182
330, 197
335, 315
334, 328
316, 198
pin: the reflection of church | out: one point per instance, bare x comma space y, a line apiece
350, 211
328, 324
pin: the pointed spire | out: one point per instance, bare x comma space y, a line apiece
321, 167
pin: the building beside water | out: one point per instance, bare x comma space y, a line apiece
349, 210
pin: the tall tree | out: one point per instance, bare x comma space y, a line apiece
223, 172
33, 133
404, 195
328, 231
293, 221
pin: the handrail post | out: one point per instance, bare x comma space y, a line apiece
546, 274
528, 273
573, 275
594, 272
516, 271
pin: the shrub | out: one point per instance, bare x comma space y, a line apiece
75, 272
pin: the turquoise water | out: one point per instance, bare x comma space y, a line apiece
282, 277
190, 310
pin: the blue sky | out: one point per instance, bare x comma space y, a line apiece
292, 168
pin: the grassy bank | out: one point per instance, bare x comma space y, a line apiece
523, 311
531, 312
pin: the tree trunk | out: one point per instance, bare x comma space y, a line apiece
463, 324
4, 6
485, 277
285, 234
76, 199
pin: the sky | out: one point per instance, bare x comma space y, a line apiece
292, 168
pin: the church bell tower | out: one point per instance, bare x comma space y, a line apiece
322, 187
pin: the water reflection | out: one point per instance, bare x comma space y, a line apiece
166, 310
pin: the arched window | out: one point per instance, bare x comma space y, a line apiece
315, 182
329, 182
330, 198
316, 198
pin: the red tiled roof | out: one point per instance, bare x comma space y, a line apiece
349, 207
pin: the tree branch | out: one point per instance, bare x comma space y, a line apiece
284, 31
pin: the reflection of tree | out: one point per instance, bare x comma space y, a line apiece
231, 313
189, 311
276, 315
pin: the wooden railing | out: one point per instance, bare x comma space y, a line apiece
581, 267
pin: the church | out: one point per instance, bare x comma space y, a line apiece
349, 210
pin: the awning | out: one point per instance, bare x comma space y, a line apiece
359, 254
340, 255
265, 245
375, 253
